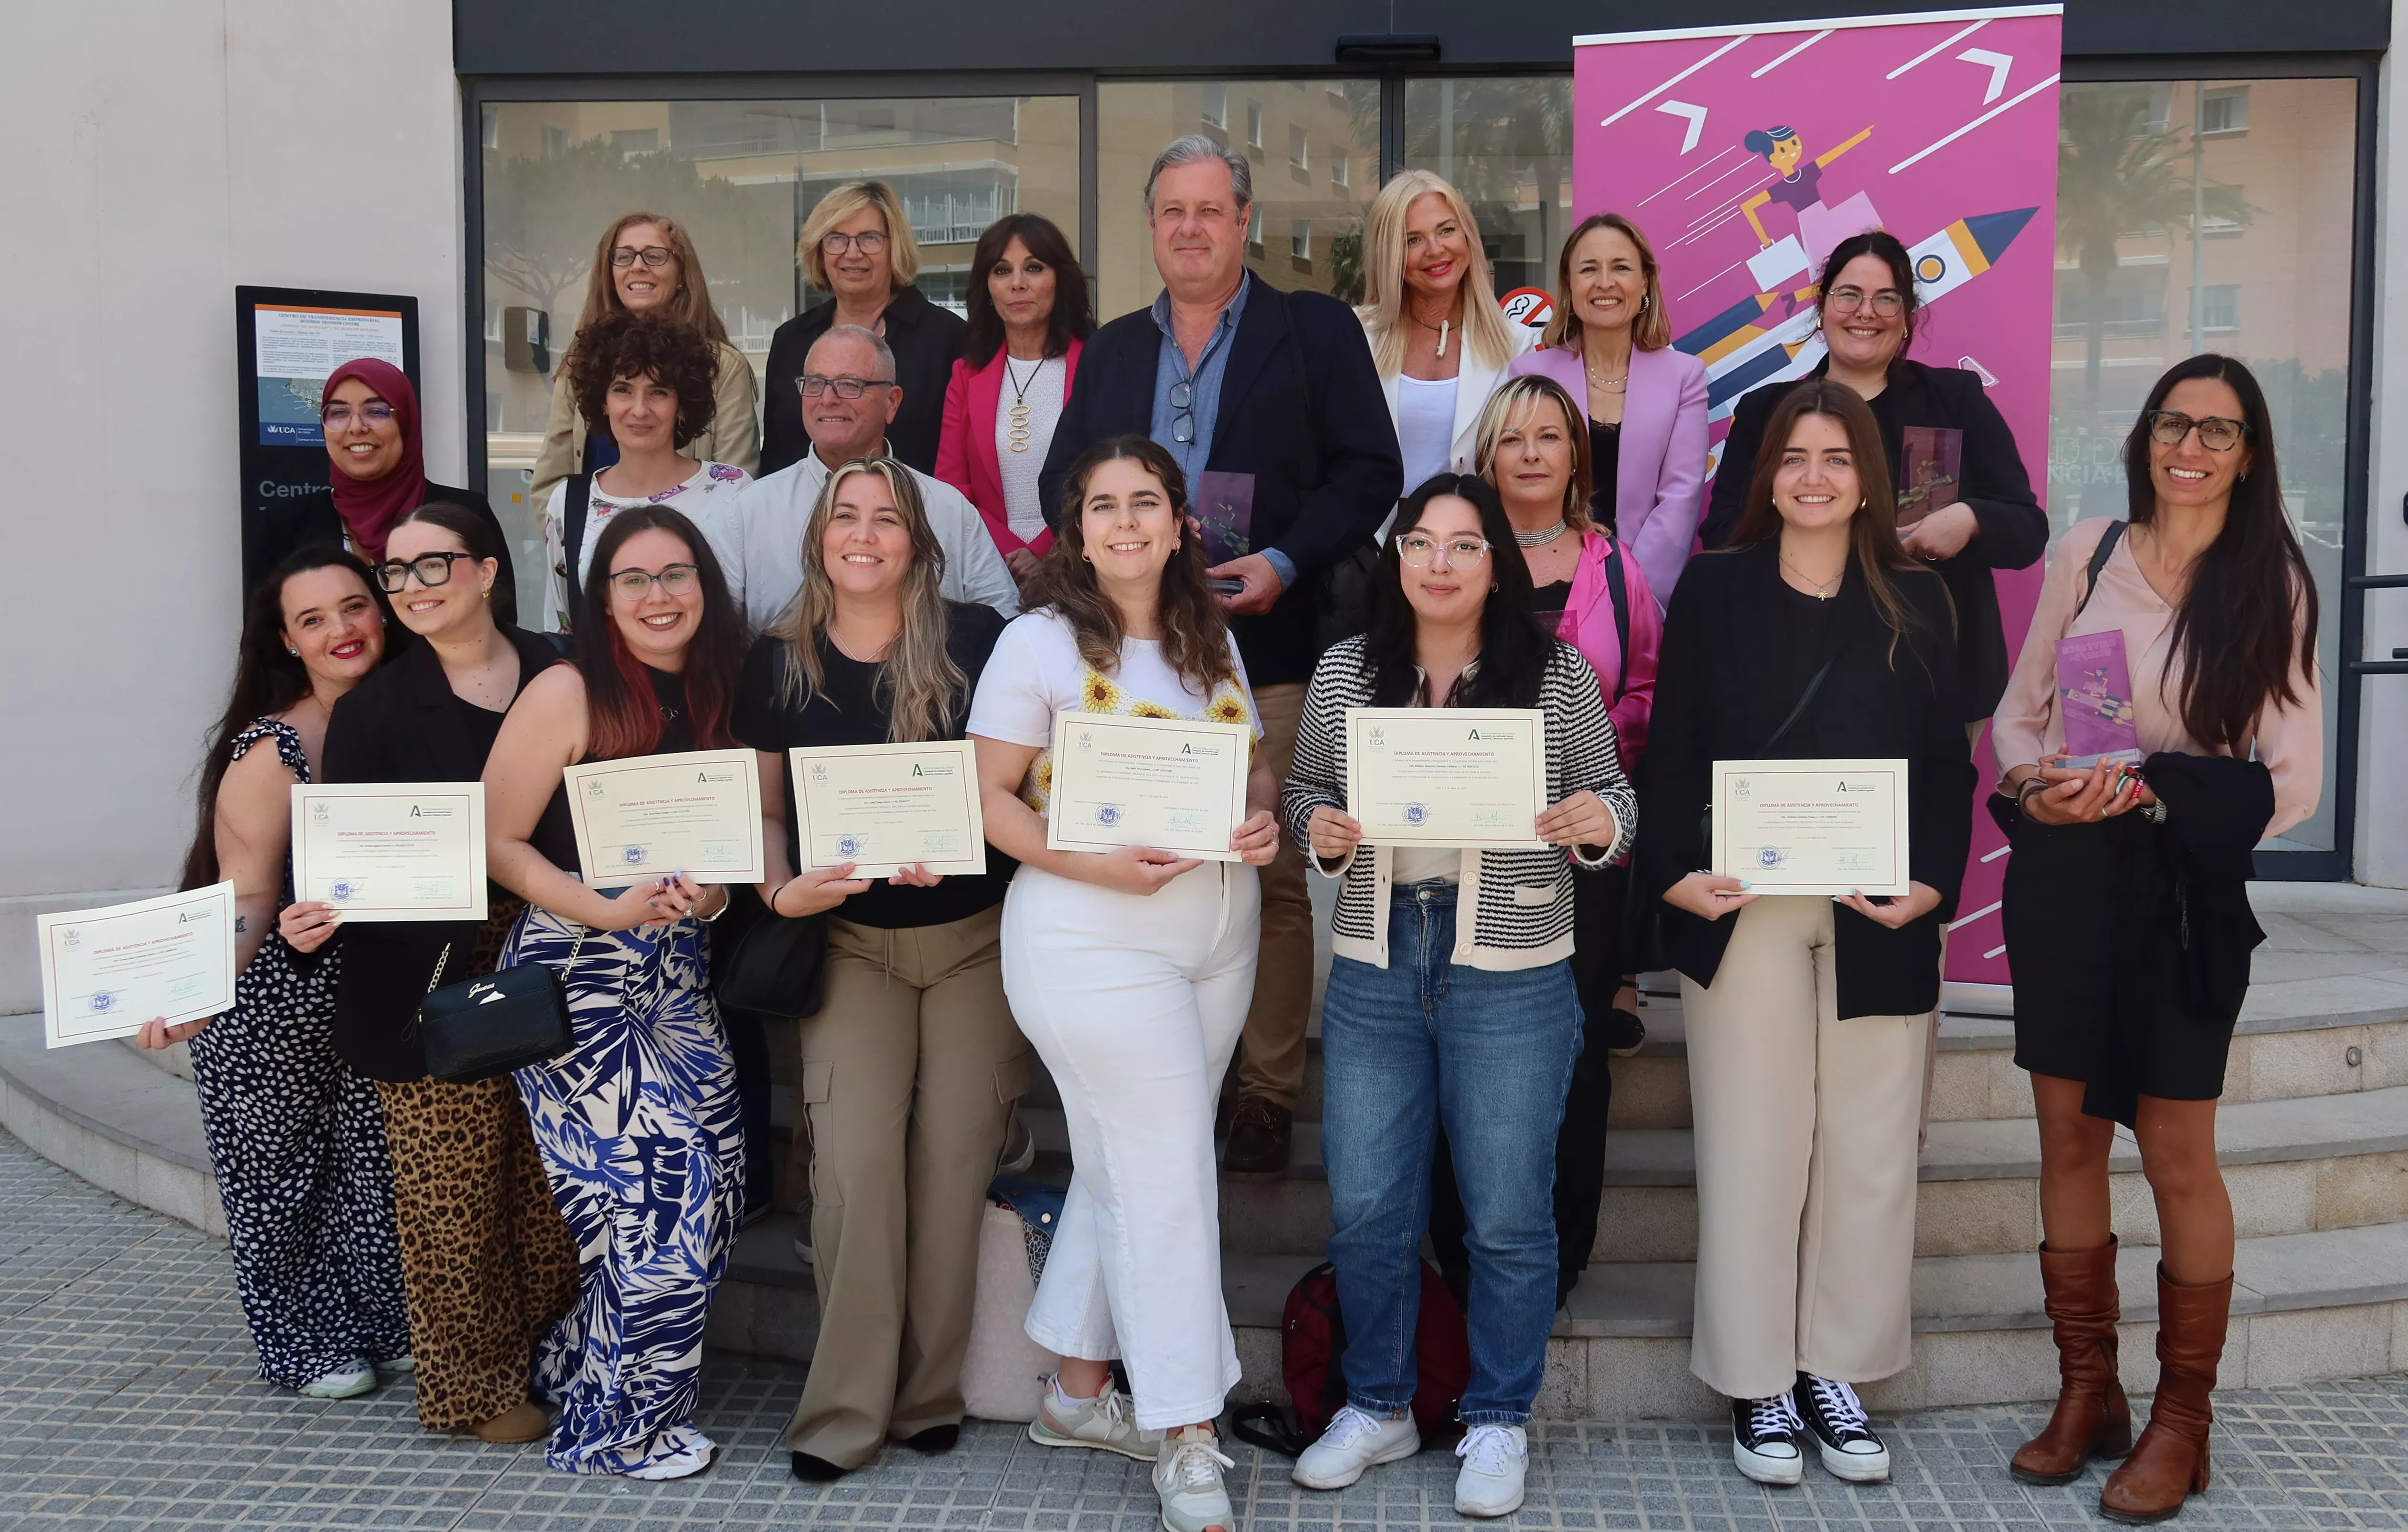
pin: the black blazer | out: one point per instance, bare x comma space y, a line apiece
2015, 530
401, 725
298, 524
1301, 410
926, 341
1722, 687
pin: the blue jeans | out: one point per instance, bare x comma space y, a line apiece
1493, 1053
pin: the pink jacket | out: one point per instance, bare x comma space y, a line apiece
1659, 494
965, 448
1589, 626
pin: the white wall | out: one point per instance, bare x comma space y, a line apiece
169, 150
2382, 754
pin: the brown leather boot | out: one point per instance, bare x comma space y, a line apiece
1260, 1135
2170, 1460
2093, 1419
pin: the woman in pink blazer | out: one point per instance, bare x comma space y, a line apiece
1027, 318
1610, 344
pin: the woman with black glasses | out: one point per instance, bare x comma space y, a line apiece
488, 1263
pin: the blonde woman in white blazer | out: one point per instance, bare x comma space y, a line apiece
1430, 312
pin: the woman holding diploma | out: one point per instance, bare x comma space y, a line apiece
2126, 908
1437, 1010
1131, 972
1814, 637
912, 1063
637, 1123
488, 1263
295, 1139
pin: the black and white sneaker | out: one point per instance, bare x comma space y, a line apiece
1842, 1430
1767, 1440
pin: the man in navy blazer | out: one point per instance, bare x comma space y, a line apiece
1270, 403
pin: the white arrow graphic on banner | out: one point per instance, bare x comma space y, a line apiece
1998, 64
1696, 116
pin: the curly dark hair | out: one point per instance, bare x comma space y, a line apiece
622, 345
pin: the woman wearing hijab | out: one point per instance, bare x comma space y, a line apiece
377, 466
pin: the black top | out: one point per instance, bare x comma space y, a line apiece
556, 833
926, 341
1547, 603
2015, 530
1605, 472
1804, 620
298, 524
1722, 687
851, 712
1301, 410
404, 723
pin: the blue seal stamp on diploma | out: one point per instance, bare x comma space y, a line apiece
849, 846
1107, 814
102, 1000
1771, 857
343, 891
633, 856
1417, 814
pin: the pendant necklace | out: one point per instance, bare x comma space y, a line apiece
1019, 413
1822, 590
1443, 326
1539, 538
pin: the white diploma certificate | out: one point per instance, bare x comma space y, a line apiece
1171, 784
1812, 826
1469, 777
106, 972
648, 816
392, 851
883, 807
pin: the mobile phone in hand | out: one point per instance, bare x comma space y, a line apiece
1227, 586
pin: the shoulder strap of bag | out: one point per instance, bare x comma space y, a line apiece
575, 498
1620, 590
1804, 698
2099, 557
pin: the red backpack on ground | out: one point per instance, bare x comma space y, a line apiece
1312, 1339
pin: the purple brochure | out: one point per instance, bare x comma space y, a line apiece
1224, 503
1930, 465
2094, 688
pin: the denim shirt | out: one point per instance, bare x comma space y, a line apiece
1204, 386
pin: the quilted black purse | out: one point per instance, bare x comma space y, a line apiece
489, 1026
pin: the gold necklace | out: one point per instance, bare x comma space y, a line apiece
1611, 385
1019, 411
1822, 590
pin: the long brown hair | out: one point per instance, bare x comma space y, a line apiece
1194, 635
1073, 317
1873, 547
918, 679
1651, 330
690, 305
2240, 628
623, 717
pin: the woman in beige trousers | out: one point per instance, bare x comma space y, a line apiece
1812, 636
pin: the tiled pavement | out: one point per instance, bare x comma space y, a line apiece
127, 1402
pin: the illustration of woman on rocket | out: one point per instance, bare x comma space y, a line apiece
1800, 190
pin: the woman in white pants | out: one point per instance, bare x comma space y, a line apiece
1130, 971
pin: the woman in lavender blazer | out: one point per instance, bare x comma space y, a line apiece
1610, 343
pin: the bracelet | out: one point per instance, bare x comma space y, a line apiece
725, 899
2023, 793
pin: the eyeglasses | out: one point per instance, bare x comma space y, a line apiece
654, 256
1887, 303
635, 584
432, 569
811, 385
1183, 425
375, 412
1419, 548
870, 242
2167, 428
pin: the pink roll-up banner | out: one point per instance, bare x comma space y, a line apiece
1746, 152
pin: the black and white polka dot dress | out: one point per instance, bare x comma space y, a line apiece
297, 1143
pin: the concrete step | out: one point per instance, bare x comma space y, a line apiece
102, 1111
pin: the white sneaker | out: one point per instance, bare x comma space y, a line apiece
1850, 1447
1494, 1459
1355, 1440
1187, 1476
1766, 1436
694, 1453
349, 1381
1102, 1421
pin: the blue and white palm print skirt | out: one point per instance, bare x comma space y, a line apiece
639, 1129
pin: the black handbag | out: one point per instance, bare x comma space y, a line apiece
506, 1020
777, 969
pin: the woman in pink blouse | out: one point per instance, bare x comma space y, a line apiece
2125, 905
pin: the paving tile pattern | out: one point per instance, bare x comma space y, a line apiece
128, 1402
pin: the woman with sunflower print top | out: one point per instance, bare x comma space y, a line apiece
1130, 971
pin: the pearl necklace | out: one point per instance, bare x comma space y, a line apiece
1539, 538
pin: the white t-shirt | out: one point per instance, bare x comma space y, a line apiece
710, 485
1424, 427
1024, 508
1036, 671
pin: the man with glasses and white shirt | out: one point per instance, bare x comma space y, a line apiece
848, 397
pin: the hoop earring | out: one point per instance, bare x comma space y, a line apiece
1642, 302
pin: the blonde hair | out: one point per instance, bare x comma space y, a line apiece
1518, 396
856, 196
1652, 331
918, 679
690, 305
1482, 324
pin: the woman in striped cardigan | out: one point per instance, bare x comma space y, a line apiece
1452, 996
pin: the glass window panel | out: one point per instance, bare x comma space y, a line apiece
2213, 215
1507, 145
741, 175
1315, 219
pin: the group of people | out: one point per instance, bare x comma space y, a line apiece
1260, 507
